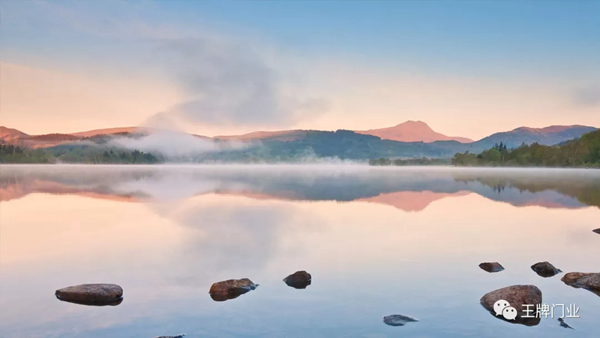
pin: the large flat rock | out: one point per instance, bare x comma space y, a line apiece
517, 296
91, 294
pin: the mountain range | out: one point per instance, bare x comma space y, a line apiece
405, 140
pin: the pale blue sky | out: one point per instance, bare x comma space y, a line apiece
450, 50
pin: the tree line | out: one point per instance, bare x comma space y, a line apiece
409, 161
582, 152
87, 155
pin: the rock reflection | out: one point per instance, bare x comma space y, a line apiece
223, 297
519, 320
298, 285
96, 303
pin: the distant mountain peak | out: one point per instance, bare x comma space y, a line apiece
9, 135
550, 135
550, 129
412, 131
416, 122
10, 131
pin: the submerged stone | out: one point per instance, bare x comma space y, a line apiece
398, 320
298, 280
491, 266
545, 269
91, 294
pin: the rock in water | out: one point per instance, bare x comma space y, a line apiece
177, 336
571, 277
517, 296
491, 266
298, 280
398, 320
545, 269
597, 231
588, 281
231, 288
91, 294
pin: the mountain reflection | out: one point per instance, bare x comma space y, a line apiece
408, 189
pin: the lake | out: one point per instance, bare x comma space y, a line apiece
377, 241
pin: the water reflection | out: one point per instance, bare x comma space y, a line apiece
221, 297
380, 240
408, 190
533, 321
111, 303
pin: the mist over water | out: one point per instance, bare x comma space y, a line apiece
331, 180
377, 241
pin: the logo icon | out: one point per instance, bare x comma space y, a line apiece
509, 313
502, 307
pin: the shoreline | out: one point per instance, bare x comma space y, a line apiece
324, 165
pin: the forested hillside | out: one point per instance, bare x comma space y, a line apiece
581, 152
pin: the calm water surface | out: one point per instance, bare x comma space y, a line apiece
377, 241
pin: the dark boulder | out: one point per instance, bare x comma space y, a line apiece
521, 297
230, 289
545, 269
398, 320
491, 266
298, 280
91, 294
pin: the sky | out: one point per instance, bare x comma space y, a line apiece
467, 68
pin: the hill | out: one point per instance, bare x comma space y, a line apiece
580, 152
9, 135
546, 136
342, 144
107, 131
282, 135
409, 131
279, 146
412, 131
